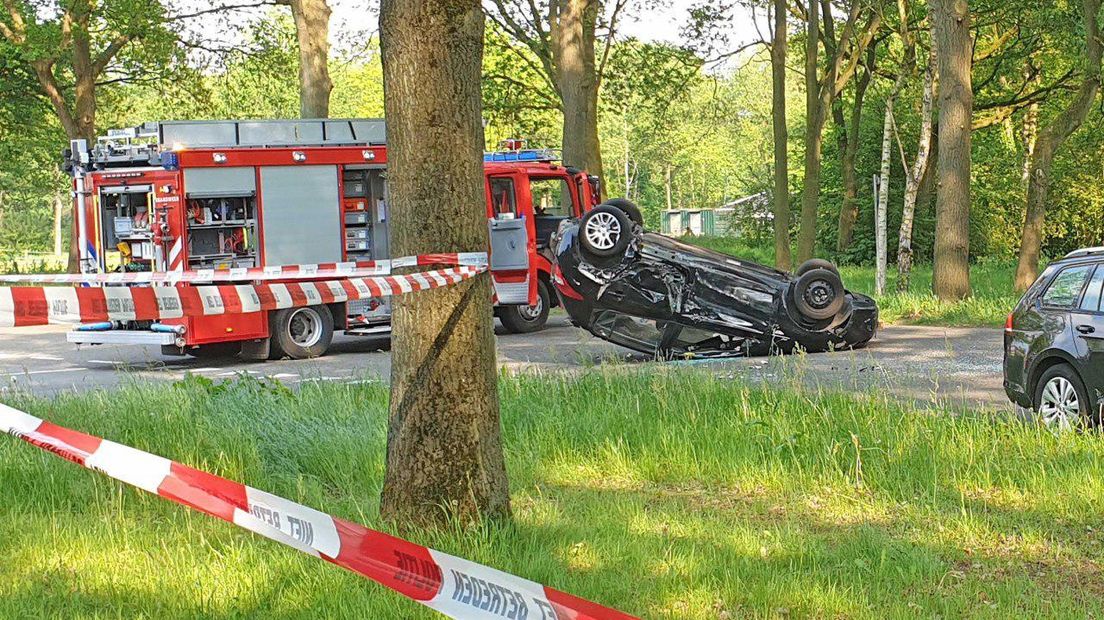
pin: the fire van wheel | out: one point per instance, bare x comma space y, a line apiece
527, 319
301, 333
605, 232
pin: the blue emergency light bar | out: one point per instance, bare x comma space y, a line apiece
521, 155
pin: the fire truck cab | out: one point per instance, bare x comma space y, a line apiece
194, 195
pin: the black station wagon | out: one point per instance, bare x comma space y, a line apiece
1054, 343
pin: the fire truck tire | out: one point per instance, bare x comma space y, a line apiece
630, 209
301, 333
217, 350
527, 319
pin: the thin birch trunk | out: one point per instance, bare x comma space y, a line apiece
883, 199
913, 179
59, 206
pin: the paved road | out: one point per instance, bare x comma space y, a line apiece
956, 365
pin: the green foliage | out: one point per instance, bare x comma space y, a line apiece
675, 494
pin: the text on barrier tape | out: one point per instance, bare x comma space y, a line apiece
453, 586
25, 306
254, 274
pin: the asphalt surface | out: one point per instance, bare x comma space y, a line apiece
953, 366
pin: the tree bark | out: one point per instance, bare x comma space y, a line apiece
59, 209
849, 150
814, 132
883, 198
444, 446
1050, 139
781, 199
312, 29
843, 59
572, 37
914, 179
954, 46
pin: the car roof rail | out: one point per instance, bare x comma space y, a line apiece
1085, 252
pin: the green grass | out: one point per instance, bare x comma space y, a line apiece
669, 494
992, 299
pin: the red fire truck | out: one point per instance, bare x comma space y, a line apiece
192, 195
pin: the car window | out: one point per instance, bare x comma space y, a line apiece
551, 197
502, 196
1065, 290
1091, 301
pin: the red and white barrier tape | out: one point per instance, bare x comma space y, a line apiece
24, 306
451, 585
254, 274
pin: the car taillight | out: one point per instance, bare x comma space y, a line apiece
1008, 324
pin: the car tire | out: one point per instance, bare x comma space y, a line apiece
527, 319
301, 333
216, 350
1061, 401
816, 263
604, 232
818, 294
629, 207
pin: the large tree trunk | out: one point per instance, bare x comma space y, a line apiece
577, 81
954, 47
444, 444
814, 135
312, 29
1050, 139
781, 199
914, 179
849, 150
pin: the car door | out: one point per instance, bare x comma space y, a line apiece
511, 268
1056, 309
1087, 323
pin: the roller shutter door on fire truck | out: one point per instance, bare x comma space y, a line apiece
300, 215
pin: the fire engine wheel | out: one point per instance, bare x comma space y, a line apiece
527, 319
605, 231
301, 333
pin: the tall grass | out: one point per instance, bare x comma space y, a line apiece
669, 494
992, 299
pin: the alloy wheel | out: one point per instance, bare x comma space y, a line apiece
603, 230
1059, 405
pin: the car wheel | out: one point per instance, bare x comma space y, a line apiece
1061, 401
629, 207
816, 263
605, 231
818, 294
301, 333
527, 319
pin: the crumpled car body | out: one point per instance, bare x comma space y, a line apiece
669, 299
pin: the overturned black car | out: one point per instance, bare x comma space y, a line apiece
665, 298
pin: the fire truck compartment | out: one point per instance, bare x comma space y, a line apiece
301, 217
